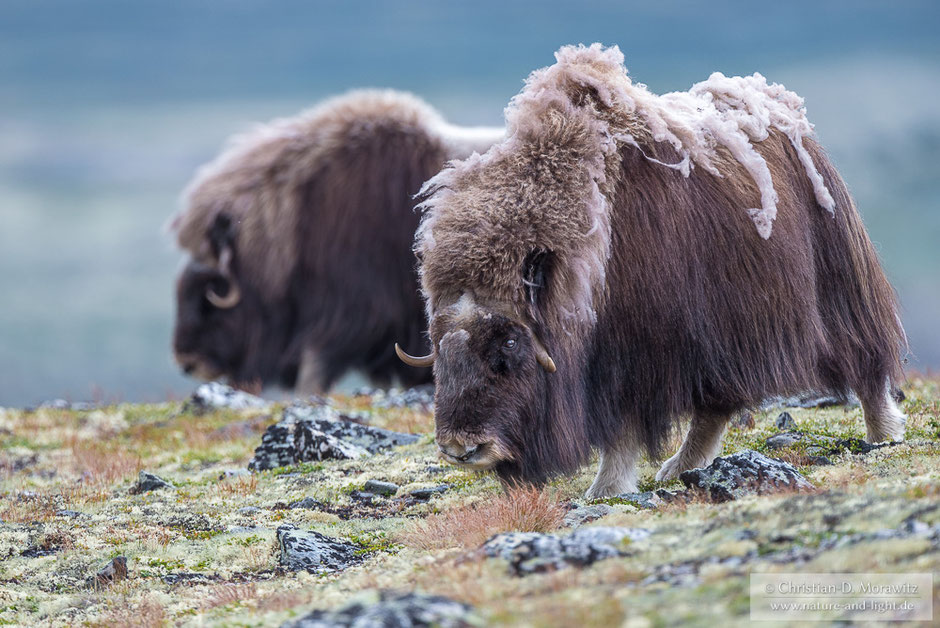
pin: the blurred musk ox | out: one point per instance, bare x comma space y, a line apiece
300, 240
623, 259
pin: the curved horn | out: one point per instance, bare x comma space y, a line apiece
541, 355
411, 360
234, 294
231, 298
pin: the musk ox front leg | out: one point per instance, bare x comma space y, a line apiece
883, 419
617, 472
310, 378
699, 448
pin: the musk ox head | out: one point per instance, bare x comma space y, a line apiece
496, 386
209, 339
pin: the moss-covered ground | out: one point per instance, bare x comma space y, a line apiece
198, 555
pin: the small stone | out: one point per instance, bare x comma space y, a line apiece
362, 496
424, 494
785, 422
394, 610
249, 510
147, 481
308, 503
819, 460
70, 513
378, 487
780, 441
114, 571
744, 473
585, 514
314, 552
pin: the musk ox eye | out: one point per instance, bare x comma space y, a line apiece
510, 344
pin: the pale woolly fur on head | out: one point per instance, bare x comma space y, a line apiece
569, 122
259, 177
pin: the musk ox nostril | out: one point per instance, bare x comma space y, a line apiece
457, 451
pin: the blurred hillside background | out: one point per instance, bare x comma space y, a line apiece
108, 106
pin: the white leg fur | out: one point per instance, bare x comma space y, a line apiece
309, 378
883, 419
699, 448
617, 471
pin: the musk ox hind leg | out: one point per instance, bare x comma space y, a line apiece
883, 419
699, 448
310, 376
617, 472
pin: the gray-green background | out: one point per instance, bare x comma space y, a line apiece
107, 106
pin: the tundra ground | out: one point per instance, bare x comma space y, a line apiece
204, 552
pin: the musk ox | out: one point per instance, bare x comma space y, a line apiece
623, 259
300, 239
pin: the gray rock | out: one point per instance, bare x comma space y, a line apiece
744, 473
532, 552
380, 488
424, 494
584, 514
308, 503
314, 552
388, 609
418, 398
317, 431
649, 499
249, 510
74, 514
215, 396
780, 441
810, 400
785, 422
147, 482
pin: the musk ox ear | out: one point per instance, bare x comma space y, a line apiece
536, 277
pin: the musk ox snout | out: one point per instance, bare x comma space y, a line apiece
470, 452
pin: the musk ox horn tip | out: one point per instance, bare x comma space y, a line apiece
410, 360
230, 300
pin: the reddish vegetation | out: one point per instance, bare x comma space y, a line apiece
521, 509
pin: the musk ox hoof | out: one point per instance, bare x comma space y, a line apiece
600, 491
676, 465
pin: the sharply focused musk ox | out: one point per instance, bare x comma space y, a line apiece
624, 259
300, 237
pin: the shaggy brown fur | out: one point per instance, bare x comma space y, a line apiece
318, 213
651, 290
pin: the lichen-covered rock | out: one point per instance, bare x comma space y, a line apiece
418, 398
147, 482
318, 431
314, 552
532, 552
810, 400
649, 499
820, 445
744, 473
216, 396
386, 609
585, 514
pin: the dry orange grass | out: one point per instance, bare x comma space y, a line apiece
521, 509
29, 507
241, 486
148, 613
225, 594
98, 463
